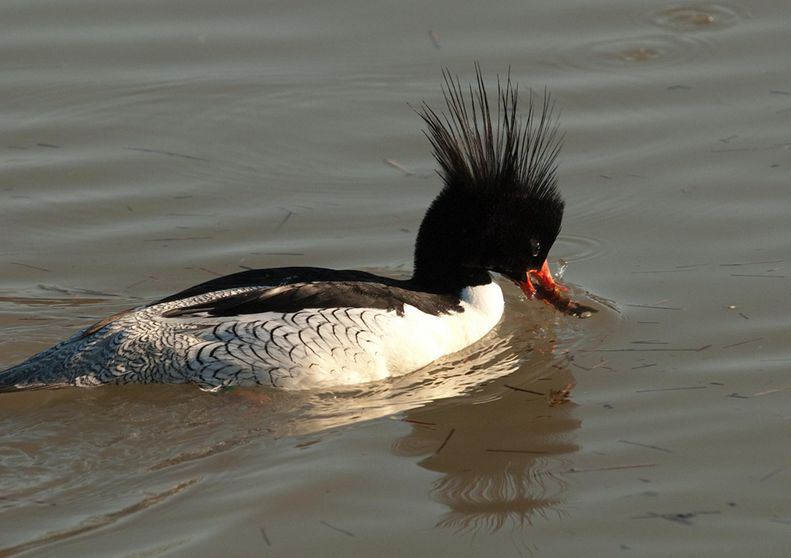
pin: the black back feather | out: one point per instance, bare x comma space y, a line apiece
386, 294
517, 156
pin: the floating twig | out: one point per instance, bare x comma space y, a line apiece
181, 214
307, 443
737, 264
445, 441
212, 272
684, 518
420, 422
283, 221
772, 473
264, 535
74, 291
32, 267
434, 39
649, 446
338, 529
768, 391
601, 364
140, 282
399, 166
524, 390
742, 343
654, 307
168, 153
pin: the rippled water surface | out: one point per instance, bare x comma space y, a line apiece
148, 146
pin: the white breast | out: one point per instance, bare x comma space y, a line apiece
416, 339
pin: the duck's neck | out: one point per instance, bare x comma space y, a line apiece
448, 245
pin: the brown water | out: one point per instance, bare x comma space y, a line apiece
148, 146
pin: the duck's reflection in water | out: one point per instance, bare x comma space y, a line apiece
500, 449
495, 420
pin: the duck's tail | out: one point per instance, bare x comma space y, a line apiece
48, 369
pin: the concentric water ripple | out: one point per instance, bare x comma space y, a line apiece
696, 17
633, 53
576, 248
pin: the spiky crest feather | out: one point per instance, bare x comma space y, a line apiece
512, 155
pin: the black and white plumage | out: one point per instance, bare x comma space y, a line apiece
499, 211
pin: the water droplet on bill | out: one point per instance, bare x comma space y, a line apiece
562, 265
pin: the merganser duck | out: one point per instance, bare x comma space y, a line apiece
304, 327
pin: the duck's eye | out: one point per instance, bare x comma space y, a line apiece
535, 247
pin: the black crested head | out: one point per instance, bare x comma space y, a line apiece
500, 208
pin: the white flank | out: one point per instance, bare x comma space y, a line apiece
311, 348
318, 348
